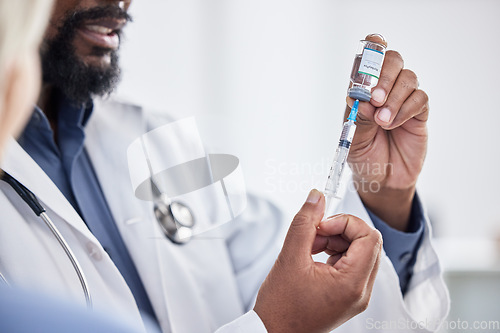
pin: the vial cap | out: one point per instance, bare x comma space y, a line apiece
364, 95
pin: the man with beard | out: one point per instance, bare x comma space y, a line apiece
79, 142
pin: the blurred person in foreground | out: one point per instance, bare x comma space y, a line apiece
22, 23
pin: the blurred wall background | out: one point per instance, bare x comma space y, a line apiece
267, 81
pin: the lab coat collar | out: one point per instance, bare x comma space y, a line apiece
25, 170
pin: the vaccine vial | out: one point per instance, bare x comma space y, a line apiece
366, 70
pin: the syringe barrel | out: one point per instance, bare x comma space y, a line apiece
332, 187
347, 134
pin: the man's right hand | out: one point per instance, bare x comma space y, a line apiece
300, 295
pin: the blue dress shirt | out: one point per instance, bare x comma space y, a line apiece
401, 247
69, 167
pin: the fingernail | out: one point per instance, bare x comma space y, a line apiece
384, 115
313, 196
378, 95
376, 35
331, 218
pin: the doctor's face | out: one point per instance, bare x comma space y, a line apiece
80, 48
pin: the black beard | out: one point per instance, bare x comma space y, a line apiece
62, 68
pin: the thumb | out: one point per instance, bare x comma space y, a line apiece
302, 232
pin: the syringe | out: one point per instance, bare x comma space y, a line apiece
332, 187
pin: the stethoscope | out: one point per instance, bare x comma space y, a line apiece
32, 201
175, 218
176, 221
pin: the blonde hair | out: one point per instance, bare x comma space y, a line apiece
22, 25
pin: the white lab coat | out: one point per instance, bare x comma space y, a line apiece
197, 287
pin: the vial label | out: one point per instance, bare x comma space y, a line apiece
371, 63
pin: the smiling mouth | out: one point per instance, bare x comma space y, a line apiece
103, 33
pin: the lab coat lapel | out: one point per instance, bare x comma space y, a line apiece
22, 167
160, 263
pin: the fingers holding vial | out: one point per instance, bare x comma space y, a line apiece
391, 90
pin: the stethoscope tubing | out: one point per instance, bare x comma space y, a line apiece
32, 201
71, 256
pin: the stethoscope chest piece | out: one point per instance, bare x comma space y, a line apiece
175, 218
